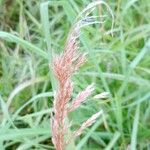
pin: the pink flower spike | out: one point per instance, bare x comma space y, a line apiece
88, 123
81, 97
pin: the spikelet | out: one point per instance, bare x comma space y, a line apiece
81, 97
87, 123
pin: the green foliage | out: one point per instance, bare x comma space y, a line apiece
31, 31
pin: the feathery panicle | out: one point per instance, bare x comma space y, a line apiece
64, 67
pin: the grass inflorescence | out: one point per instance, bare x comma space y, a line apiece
31, 30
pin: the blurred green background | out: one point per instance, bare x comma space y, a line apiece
118, 64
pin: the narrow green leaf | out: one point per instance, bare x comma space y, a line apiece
11, 134
135, 128
113, 141
25, 44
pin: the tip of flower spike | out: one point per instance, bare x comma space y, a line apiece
96, 115
102, 95
91, 86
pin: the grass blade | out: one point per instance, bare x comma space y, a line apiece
135, 128
113, 141
25, 44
